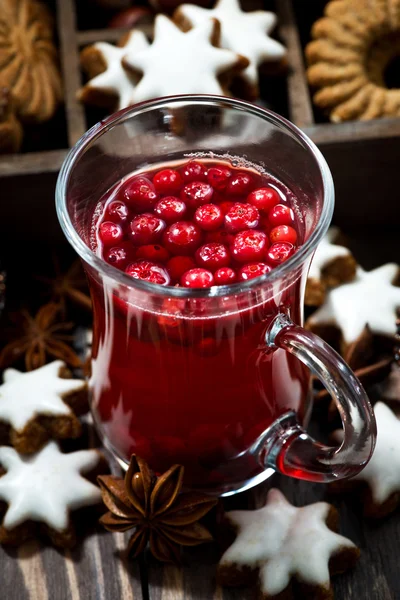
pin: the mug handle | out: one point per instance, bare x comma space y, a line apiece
290, 449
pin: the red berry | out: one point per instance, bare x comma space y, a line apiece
193, 171
226, 206
209, 217
221, 237
264, 198
170, 209
139, 193
148, 271
178, 265
153, 252
279, 252
281, 214
120, 256
146, 229
182, 237
197, 278
225, 276
218, 177
249, 246
197, 193
283, 233
167, 181
213, 256
110, 233
241, 216
253, 270
239, 184
117, 211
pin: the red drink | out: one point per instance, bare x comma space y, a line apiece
183, 382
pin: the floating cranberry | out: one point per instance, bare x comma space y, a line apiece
225, 276
226, 206
283, 233
221, 237
218, 177
264, 199
213, 256
239, 184
193, 171
253, 270
209, 217
153, 252
183, 237
146, 229
249, 246
241, 216
279, 252
117, 211
281, 214
110, 233
196, 193
167, 181
140, 194
170, 208
148, 271
197, 278
178, 265
119, 256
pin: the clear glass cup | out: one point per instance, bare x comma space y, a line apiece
217, 379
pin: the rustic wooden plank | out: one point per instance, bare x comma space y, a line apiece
33, 163
354, 131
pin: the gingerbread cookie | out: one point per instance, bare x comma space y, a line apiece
39, 405
353, 45
292, 549
203, 68
370, 299
110, 86
330, 266
40, 491
10, 127
28, 59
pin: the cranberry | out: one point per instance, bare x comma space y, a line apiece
182, 237
279, 252
213, 256
249, 246
241, 216
119, 256
170, 209
209, 217
178, 265
239, 184
225, 276
263, 198
167, 181
197, 278
221, 237
146, 229
153, 252
140, 194
117, 211
283, 233
253, 270
193, 171
197, 193
110, 233
226, 206
148, 271
281, 214
218, 177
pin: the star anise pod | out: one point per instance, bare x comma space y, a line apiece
163, 516
38, 339
68, 286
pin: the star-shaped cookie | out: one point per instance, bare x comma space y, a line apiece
182, 63
246, 33
283, 542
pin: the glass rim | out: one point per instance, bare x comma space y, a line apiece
97, 263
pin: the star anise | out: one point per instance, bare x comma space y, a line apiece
71, 285
163, 516
39, 338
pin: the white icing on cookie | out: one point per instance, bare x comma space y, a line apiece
284, 541
326, 253
243, 32
180, 63
115, 77
24, 396
370, 299
45, 486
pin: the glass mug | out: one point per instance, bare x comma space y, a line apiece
216, 379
